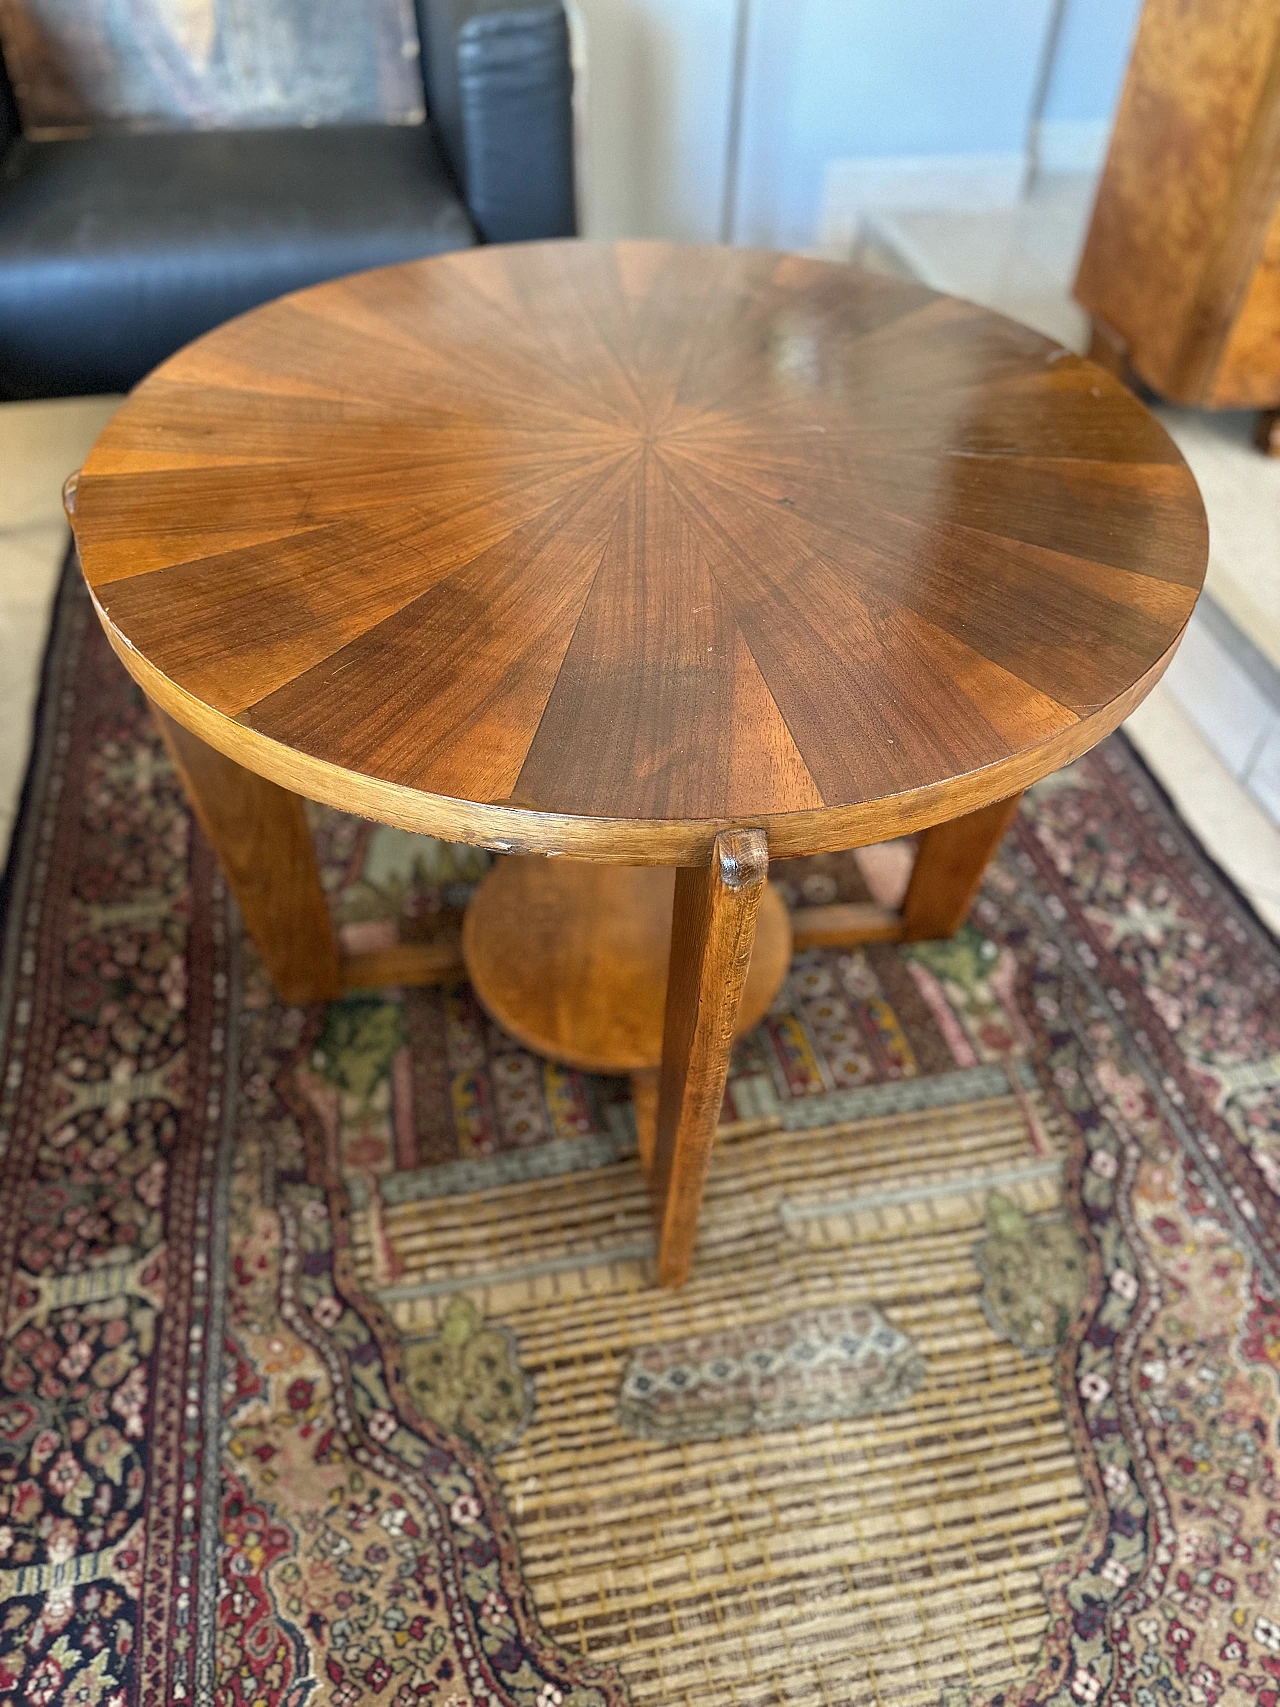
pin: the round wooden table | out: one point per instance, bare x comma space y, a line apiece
640, 555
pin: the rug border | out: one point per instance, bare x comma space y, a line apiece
1179, 818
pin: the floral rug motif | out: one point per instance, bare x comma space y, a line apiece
1035, 1274
332, 1370
796, 1369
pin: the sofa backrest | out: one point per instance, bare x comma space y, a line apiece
177, 64
438, 25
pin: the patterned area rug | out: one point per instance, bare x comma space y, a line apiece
332, 1369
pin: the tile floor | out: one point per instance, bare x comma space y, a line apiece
1195, 730
40, 444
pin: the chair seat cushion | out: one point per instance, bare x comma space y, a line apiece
115, 250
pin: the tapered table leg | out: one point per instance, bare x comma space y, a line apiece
644, 1102
259, 833
950, 861
712, 932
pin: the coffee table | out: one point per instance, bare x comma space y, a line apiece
632, 557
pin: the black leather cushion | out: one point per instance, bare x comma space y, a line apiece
116, 250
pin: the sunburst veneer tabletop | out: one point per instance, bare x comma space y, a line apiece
643, 533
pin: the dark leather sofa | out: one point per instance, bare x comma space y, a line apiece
116, 249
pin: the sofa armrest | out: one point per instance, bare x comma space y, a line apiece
499, 90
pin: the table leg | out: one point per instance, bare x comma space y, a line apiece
644, 1103
713, 929
950, 861
259, 833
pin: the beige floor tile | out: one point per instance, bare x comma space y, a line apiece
1231, 825
1220, 698
40, 444
30, 559
1018, 260
1264, 773
1241, 489
23, 631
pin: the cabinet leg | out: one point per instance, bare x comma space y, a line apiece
713, 929
259, 833
1108, 349
1266, 432
949, 865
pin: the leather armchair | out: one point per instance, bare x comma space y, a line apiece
117, 248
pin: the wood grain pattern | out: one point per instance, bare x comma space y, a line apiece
1176, 259
950, 861
644, 1106
1247, 373
1108, 349
259, 833
571, 958
712, 932
599, 550
841, 924
405, 963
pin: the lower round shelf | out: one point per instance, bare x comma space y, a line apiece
572, 958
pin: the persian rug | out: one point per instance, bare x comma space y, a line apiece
332, 1367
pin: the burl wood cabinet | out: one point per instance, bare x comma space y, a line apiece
1181, 267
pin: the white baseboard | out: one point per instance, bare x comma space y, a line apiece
1071, 145
856, 188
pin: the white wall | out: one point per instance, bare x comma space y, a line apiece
841, 100
1091, 52
866, 80
657, 116
1090, 57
